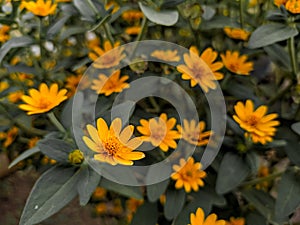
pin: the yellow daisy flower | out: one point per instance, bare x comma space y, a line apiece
159, 132
134, 30
188, 175
237, 33
99, 193
40, 7
43, 100
113, 4
237, 64
10, 136
199, 69
199, 219
15, 96
3, 85
109, 60
259, 126
113, 145
108, 85
168, 55
132, 15
193, 133
4, 36
32, 142
236, 221
280, 2
293, 6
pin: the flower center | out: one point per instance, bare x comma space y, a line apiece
233, 67
158, 134
112, 145
44, 103
252, 120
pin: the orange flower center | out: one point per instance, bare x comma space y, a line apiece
112, 145
252, 120
158, 134
108, 59
193, 136
233, 66
44, 103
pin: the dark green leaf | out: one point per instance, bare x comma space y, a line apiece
52, 191
288, 195
269, 34
16, 42
145, 215
278, 56
57, 26
70, 31
171, 3
86, 10
232, 172
154, 191
55, 149
276, 15
175, 200
24, 155
252, 160
218, 22
296, 127
255, 218
88, 181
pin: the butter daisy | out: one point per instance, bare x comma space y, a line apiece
199, 219
113, 144
236, 221
237, 33
4, 36
293, 6
167, 55
40, 7
236, 63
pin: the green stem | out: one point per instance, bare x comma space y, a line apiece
293, 57
242, 13
262, 179
143, 29
108, 33
55, 122
225, 81
154, 104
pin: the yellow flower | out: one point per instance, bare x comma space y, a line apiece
193, 133
40, 7
10, 136
132, 15
237, 33
199, 219
99, 193
237, 64
4, 36
259, 126
27, 79
134, 30
101, 208
113, 58
168, 55
113, 4
253, 3
76, 157
113, 145
74, 82
32, 142
132, 205
280, 2
43, 100
159, 132
188, 175
263, 171
200, 69
236, 221
3, 85
108, 85
15, 96
46, 160
293, 6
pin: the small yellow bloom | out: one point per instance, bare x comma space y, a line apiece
4, 36
113, 4
159, 132
134, 30
132, 15
113, 145
199, 219
259, 126
15, 96
263, 171
43, 100
32, 142
108, 85
280, 2
74, 82
25, 78
10, 136
236, 221
46, 160
101, 208
3, 85
188, 175
111, 59
76, 157
253, 3
40, 7
132, 205
237, 64
293, 6
99, 193
201, 69
193, 133
168, 55
237, 33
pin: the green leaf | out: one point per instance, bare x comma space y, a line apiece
52, 191
146, 214
88, 181
252, 160
57, 26
255, 218
175, 200
278, 56
16, 42
154, 191
163, 17
269, 34
218, 22
296, 127
23, 156
261, 200
85, 9
232, 172
70, 31
288, 195
55, 149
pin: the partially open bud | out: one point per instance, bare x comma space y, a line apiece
76, 157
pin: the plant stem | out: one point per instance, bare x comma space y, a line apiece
108, 33
242, 14
293, 57
55, 122
262, 179
154, 104
281, 92
143, 29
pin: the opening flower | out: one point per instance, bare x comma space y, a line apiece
108, 85
76, 157
188, 175
108, 60
236, 63
199, 219
193, 133
159, 132
293, 6
236, 221
259, 126
280, 2
43, 100
4, 36
237, 33
113, 145
168, 55
40, 7
3, 85
202, 69
9, 137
